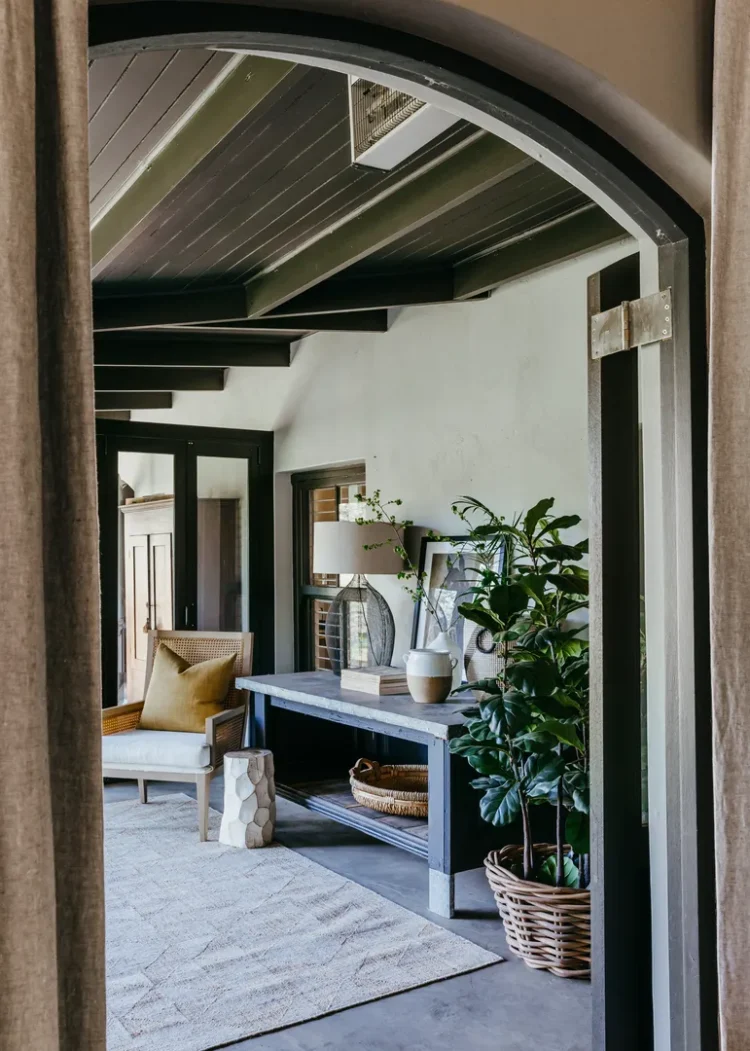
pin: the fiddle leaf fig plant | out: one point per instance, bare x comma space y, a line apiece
528, 735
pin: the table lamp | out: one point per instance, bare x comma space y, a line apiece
358, 617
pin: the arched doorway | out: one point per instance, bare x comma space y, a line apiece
672, 388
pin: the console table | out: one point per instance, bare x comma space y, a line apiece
452, 839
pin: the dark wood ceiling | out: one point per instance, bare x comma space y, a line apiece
281, 177
273, 208
134, 100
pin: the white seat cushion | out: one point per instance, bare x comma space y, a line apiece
156, 748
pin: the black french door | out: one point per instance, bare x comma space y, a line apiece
621, 901
186, 540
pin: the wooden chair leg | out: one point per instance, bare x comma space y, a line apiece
203, 784
143, 789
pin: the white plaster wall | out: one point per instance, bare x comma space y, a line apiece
147, 473
484, 398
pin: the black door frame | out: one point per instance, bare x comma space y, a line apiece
186, 444
678, 234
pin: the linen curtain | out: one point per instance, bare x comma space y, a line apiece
730, 510
51, 891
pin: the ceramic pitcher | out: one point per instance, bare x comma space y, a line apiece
429, 675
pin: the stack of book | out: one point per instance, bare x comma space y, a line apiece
380, 680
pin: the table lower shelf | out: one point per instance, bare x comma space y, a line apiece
334, 799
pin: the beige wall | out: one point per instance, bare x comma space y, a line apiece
640, 69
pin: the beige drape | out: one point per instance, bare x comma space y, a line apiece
51, 897
730, 510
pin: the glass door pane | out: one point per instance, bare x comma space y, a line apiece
223, 543
145, 562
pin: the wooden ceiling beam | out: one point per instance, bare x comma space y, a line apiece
483, 162
236, 95
556, 242
122, 415
179, 352
115, 313
151, 378
119, 400
362, 321
356, 304
350, 295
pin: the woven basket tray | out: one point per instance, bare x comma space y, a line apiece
398, 790
548, 927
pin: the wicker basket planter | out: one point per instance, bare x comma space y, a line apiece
548, 927
398, 790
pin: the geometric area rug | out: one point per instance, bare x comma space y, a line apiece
208, 944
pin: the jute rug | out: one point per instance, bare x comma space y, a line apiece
208, 944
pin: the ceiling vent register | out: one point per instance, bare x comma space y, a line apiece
387, 125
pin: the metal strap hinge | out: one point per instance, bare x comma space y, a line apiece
632, 324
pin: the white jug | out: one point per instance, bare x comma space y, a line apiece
429, 675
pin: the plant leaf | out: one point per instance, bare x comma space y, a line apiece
570, 583
564, 522
535, 514
542, 773
577, 831
548, 872
500, 805
565, 732
552, 706
537, 677
534, 585
563, 553
507, 599
491, 763
477, 614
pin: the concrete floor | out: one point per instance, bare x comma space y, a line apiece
502, 1008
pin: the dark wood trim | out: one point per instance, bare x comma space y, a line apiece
620, 898
312, 310
559, 241
223, 351
262, 439
123, 377
352, 321
319, 477
376, 291
112, 313
147, 399
112, 414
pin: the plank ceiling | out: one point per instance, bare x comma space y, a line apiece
133, 102
281, 180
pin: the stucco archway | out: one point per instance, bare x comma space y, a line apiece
670, 235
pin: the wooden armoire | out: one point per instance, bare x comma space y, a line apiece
148, 571
147, 567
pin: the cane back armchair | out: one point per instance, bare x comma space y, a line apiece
162, 755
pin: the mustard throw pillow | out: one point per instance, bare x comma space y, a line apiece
181, 696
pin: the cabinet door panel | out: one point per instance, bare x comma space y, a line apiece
137, 610
162, 611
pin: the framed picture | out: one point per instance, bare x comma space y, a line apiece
447, 568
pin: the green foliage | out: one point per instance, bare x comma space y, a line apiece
528, 735
548, 872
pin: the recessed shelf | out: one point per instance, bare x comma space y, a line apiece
334, 799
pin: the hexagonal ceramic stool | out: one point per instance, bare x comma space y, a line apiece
249, 798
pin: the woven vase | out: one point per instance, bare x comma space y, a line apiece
548, 927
